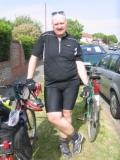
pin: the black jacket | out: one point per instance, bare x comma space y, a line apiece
59, 56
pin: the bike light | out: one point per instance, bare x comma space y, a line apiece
6, 144
96, 87
37, 89
34, 105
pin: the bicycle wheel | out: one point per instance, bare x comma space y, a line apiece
93, 120
31, 124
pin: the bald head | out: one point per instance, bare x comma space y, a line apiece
59, 24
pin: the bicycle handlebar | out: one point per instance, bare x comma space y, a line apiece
18, 88
15, 84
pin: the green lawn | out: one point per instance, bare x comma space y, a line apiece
106, 146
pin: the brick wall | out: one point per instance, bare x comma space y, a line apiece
10, 70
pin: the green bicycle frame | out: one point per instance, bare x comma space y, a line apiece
89, 99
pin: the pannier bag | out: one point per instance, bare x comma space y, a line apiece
7, 134
18, 139
22, 144
4, 113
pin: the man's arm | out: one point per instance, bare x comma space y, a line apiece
82, 72
31, 66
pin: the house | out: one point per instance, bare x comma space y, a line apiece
87, 38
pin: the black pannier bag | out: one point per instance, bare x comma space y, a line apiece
22, 144
18, 137
4, 113
7, 134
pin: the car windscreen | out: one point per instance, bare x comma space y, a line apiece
92, 49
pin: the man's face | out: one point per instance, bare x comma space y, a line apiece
59, 25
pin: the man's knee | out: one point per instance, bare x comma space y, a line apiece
54, 117
67, 113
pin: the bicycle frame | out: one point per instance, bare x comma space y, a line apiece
91, 113
93, 95
88, 99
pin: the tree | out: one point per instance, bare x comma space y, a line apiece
27, 31
112, 38
75, 28
26, 20
98, 35
108, 39
24, 25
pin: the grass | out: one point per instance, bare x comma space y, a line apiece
105, 147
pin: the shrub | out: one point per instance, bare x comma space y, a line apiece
27, 33
25, 29
5, 39
27, 43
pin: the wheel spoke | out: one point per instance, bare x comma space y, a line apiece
93, 122
31, 125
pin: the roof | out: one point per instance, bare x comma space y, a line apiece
87, 35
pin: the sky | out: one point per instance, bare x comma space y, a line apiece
95, 15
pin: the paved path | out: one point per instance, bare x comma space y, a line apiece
38, 76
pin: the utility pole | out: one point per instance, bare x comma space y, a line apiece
45, 16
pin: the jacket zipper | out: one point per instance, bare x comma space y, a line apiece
59, 39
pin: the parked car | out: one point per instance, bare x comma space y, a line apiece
109, 69
92, 54
113, 47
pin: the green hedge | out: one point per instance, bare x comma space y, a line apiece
27, 43
5, 39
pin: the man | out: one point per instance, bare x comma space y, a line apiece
62, 68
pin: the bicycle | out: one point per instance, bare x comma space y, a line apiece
26, 104
92, 107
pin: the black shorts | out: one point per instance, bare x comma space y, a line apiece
61, 97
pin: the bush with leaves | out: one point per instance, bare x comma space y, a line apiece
27, 31
5, 39
27, 43
75, 28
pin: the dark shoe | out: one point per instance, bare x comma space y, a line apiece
77, 144
64, 148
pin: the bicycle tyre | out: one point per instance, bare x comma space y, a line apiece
31, 125
93, 120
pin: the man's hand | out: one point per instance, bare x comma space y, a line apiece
30, 84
